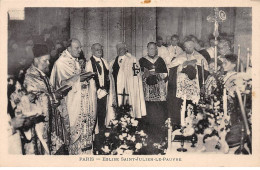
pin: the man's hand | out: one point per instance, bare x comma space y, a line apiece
17, 122
58, 95
32, 97
190, 62
146, 73
87, 76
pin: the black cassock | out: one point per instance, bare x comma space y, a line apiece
174, 103
155, 97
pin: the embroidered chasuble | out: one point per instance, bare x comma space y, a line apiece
51, 136
155, 76
79, 104
181, 88
157, 90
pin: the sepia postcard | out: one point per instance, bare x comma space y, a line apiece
133, 83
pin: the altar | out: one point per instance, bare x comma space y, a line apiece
200, 148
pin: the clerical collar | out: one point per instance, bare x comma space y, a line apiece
96, 58
191, 56
42, 73
70, 56
152, 60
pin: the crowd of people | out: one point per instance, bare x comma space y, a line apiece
63, 104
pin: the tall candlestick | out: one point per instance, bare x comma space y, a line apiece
183, 111
242, 69
225, 102
243, 112
247, 59
238, 59
169, 134
219, 16
202, 69
216, 55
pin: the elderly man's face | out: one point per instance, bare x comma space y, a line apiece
159, 43
189, 47
152, 50
42, 63
174, 41
57, 46
212, 42
75, 48
97, 50
197, 46
121, 51
168, 40
228, 66
223, 48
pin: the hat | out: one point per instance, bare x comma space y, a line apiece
232, 58
40, 50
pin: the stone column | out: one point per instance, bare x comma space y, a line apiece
77, 29
243, 31
145, 29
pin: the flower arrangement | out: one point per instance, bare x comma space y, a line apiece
209, 118
124, 137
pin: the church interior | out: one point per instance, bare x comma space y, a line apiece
135, 26
133, 30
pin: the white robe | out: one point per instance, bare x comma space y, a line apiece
174, 51
165, 54
132, 85
183, 57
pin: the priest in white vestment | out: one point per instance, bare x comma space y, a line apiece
162, 50
174, 49
224, 48
80, 103
126, 77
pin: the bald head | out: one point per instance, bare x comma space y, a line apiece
74, 47
189, 47
121, 49
97, 50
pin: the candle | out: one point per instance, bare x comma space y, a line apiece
216, 57
247, 59
242, 67
169, 133
202, 69
183, 109
243, 112
238, 59
225, 102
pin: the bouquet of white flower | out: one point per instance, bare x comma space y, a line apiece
124, 135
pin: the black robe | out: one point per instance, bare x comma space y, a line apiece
156, 110
174, 103
115, 73
101, 103
205, 54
